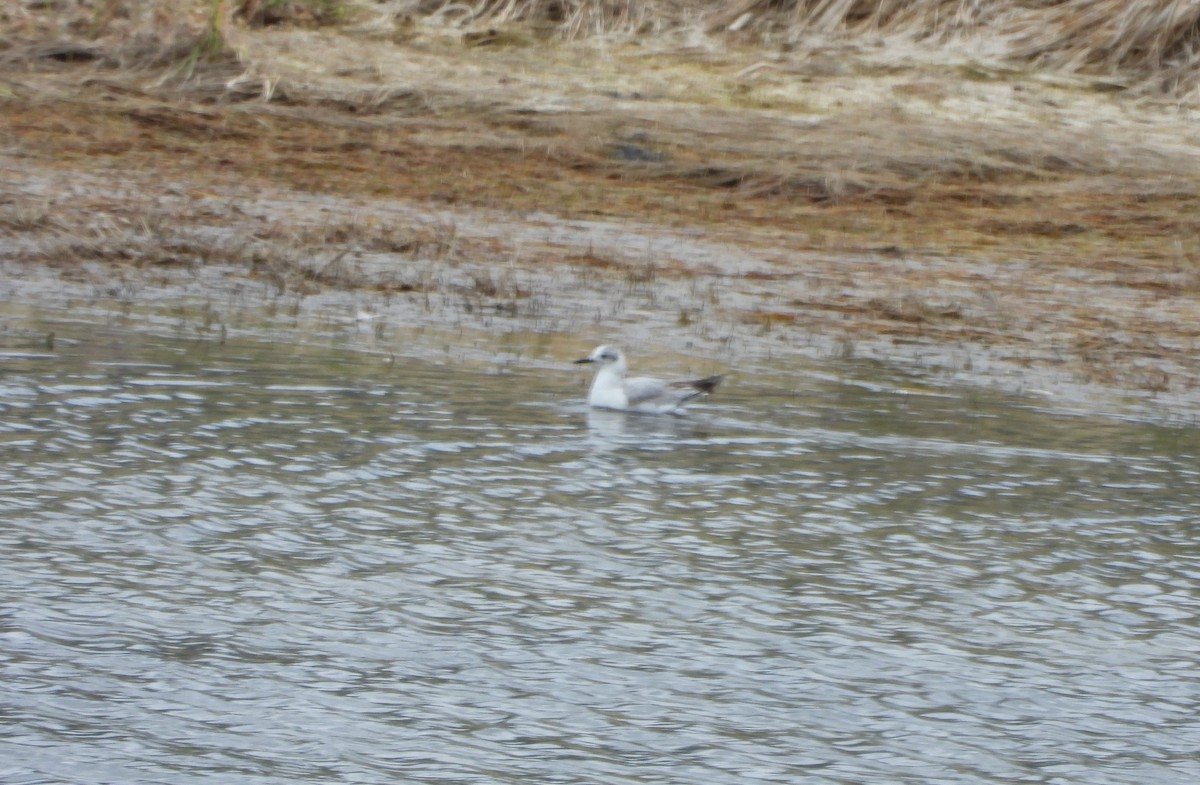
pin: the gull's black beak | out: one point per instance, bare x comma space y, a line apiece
584, 360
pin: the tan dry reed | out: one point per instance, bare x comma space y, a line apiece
1148, 45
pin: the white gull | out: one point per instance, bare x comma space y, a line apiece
611, 390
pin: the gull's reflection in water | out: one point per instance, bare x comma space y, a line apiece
609, 426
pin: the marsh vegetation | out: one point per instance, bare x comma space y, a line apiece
1015, 184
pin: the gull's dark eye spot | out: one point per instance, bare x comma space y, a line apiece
608, 356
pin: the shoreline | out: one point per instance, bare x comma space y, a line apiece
1009, 233
700, 302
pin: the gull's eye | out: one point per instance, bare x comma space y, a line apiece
608, 356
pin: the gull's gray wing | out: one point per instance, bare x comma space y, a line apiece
643, 390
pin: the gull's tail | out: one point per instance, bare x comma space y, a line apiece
696, 387
707, 384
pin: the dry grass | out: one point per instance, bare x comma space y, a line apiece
1150, 44
755, 123
1153, 43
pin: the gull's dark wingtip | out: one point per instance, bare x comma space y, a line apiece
708, 384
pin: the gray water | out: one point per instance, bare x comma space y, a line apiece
256, 562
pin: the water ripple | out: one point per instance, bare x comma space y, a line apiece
245, 565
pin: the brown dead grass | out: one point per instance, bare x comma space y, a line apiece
776, 121
1151, 45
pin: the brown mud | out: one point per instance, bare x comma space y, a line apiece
978, 223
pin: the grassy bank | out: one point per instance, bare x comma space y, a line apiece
856, 145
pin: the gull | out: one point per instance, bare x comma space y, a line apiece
611, 390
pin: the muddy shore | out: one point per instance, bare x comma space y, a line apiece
978, 224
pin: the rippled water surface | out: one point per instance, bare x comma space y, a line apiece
254, 562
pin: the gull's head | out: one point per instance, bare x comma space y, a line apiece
604, 356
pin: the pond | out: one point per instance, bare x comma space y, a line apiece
251, 560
